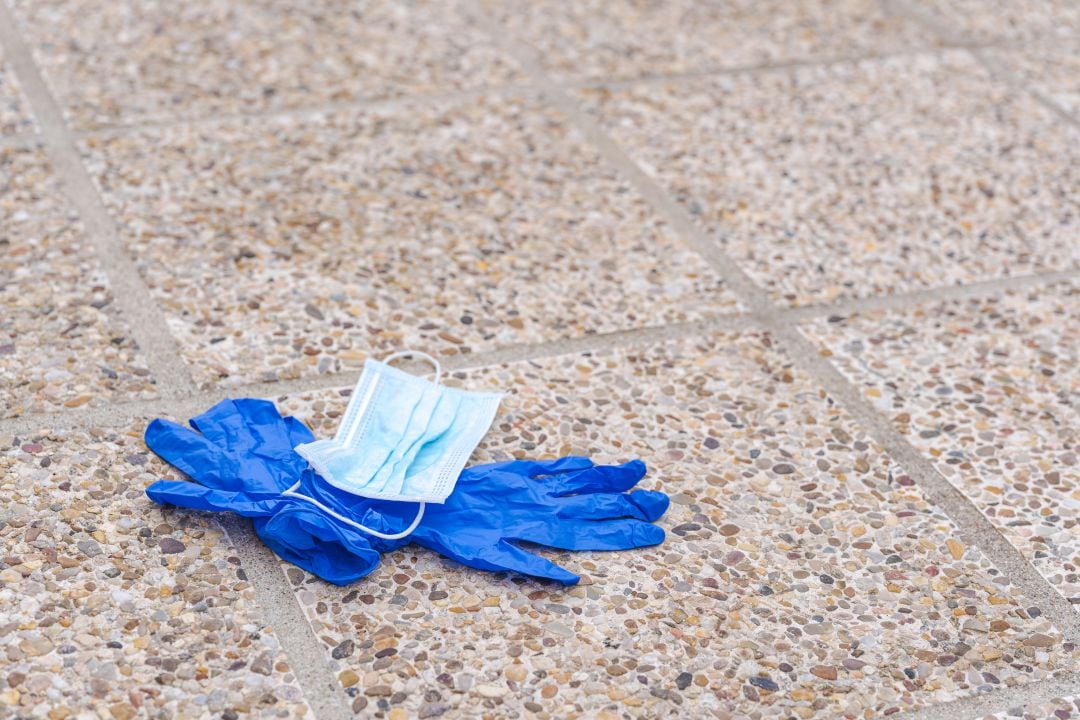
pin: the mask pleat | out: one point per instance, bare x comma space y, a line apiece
402, 436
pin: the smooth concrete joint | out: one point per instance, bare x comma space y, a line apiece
675, 78
906, 300
983, 52
999, 68
307, 656
131, 295
307, 659
979, 706
973, 527
311, 111
185, 406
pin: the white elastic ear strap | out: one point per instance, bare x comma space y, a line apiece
291, 492
416, 353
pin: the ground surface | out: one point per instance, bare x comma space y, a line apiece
815, 262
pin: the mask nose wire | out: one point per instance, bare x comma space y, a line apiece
291, 492
418, 354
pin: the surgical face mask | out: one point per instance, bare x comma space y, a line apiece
402, 438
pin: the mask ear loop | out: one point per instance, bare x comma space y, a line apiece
291, 492
421, 355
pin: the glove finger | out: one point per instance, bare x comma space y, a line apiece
227, 422
536, 468
246, 427
271, 433
594, 535
197, 497
598, 478
641, 504
485, 552
510, 557
187, 451
221, 425
298, 432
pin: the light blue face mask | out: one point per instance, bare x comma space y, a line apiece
402, 438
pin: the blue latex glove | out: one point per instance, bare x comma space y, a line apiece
241, 458
568, 503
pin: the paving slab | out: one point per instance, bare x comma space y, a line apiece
804, 573
993, 20
128, 61
15, 114
302, 185
863, 178
987, 388
111, 606
289, 248
62, 343
624, 38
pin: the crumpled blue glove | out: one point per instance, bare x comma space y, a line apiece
244, 459
241, 457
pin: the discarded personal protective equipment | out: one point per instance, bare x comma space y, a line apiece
402, 438
240, 455
242, 458
568, 503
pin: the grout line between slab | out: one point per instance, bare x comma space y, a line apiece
979, 706
129, 292
925, 18
999, 68
186, 406
430, 98
907, 300
617, 83
973, 527
282, 612
307, 111
192, 403
993, 64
